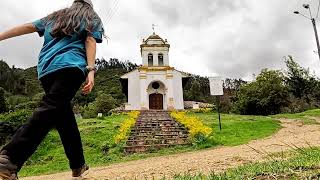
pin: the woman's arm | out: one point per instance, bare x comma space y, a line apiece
91, 59
18, 31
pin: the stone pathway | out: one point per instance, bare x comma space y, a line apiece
218, 159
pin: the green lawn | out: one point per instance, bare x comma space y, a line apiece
100, 149
237, 129
301, 164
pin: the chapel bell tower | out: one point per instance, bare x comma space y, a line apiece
155, 51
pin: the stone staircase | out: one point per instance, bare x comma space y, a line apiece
155, 130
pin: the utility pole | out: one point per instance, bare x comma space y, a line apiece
307, 6
316, 34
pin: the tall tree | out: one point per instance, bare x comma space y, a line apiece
3, 104
300, 82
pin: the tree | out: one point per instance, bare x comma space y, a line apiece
104, 103
230, 89
304, 87
267, 95
197, 89
3, 104
11, 79
299, 81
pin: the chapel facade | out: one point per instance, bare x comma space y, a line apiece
155, 85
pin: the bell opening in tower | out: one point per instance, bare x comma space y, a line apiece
150, 59
160, 58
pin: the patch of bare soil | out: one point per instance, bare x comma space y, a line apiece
293, 134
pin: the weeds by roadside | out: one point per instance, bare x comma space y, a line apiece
298, 163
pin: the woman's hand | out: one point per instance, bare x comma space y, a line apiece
89, 83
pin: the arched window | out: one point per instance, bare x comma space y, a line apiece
150, 59
160, 59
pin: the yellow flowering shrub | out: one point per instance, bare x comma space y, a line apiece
193, 124
126, 126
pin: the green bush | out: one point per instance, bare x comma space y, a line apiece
88, 111
10, 122
3, 102
104, 103
15, 100
267, 95
31, 105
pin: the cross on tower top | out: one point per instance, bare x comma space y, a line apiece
153, 28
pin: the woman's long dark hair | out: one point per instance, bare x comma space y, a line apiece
66, 22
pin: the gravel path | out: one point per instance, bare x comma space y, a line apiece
218, 159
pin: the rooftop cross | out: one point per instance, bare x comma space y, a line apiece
153, 28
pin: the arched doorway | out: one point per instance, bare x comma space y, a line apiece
157, 95
156, 101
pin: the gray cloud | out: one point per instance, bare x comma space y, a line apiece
222, 37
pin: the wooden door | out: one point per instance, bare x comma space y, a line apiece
156, 101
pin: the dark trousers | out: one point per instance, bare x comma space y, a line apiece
55, 111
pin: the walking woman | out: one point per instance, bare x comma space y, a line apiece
66, 60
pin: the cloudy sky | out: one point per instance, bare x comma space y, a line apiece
229, 38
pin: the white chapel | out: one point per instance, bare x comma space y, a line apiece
155, 85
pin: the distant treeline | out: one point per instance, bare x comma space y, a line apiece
291, 90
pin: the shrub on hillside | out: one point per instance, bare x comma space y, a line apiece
31, 105
10, 122
3, 102
104, 103
88, 111
267, 95
15, 100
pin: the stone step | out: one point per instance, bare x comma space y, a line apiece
143, 137
159, 130
155, 121
145, 148
168, 123
157, 141
155, 126
155, 115
157, 136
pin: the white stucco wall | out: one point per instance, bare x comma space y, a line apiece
133, 90
139, 89
178, 90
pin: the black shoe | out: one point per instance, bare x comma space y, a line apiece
80, 172
8, 171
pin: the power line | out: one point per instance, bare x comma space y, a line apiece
111, 9
116, 7
318, 8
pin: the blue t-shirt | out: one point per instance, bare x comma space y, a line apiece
66, 52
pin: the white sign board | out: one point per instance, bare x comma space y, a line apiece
216, 86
